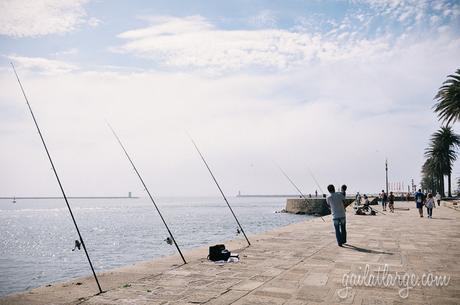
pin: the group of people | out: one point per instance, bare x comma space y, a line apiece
428, 201
387, 199
336, 203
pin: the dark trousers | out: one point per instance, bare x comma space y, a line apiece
429, 211
340, 230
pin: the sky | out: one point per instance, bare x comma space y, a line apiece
324, 89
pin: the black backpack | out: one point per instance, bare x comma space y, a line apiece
218, 253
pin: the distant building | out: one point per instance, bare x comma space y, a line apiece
129, 195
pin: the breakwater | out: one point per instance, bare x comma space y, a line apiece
311, 206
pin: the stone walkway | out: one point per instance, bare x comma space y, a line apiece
299, 264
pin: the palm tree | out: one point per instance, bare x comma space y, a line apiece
442, 154
430, 174
448, 97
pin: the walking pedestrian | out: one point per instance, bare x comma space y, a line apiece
419, 198
384, 198
430, 205
438, 198
391, 202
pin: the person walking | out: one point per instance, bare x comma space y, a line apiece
419, 198
438, 198
430, 205
384, 198
391, 202
335, 201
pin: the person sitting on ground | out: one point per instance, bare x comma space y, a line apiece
391, 202
438, 198
419, 201
335, 201
366, 200
430, 205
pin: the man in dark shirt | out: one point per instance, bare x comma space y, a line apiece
384, 197
419, 198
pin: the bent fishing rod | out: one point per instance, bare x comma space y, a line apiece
298, 190
58, 180
218, 186
148, 192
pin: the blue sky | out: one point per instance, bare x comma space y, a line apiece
335, 86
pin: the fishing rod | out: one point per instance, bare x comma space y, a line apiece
300, 192
316, 181
58, 180
147, 190
218, 186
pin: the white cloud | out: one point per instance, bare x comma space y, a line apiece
265, 18
42, 65
22, 18
193, 42
371, 109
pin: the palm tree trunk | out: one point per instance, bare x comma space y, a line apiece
441, 186
449, 193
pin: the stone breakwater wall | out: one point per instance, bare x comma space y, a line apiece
310, 206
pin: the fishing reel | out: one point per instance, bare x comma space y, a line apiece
77, 245
168, 240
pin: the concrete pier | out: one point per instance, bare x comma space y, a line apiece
310, 206
293, 265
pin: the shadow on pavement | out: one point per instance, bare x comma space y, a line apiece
365, 250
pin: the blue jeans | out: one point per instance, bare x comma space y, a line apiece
340, 230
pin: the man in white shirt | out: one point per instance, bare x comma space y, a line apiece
335, 201
438, 198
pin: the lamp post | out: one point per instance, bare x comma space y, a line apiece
386, 175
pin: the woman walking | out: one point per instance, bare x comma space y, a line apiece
430, 205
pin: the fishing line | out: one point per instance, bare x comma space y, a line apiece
316, 181
300, 192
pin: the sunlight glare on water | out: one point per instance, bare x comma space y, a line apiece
37, 236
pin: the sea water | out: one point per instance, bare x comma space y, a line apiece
37, 235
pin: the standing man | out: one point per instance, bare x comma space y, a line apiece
419, 197
384, 197
438, 198
358, 200
391, 202
335, 201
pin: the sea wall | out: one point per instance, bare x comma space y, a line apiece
310, 206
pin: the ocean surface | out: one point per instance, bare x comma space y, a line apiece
37, 235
